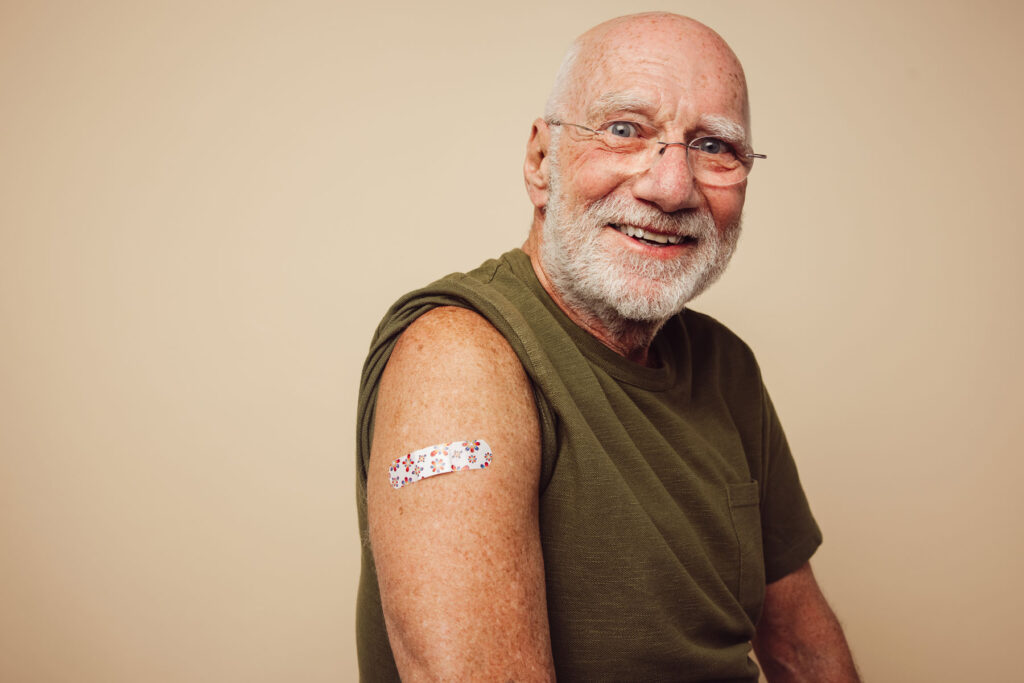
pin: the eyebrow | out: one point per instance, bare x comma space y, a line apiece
619, 101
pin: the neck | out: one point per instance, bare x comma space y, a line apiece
631, 339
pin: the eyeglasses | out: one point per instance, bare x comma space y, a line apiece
711, 160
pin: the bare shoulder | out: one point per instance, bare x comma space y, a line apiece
453, 340
452, 376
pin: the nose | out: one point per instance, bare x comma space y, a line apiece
667, 182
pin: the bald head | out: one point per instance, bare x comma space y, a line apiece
689, 51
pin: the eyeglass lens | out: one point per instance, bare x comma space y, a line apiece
711, 160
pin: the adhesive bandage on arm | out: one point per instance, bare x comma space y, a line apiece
447, 457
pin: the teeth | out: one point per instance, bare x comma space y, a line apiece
633, 231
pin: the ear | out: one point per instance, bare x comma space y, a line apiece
535, 168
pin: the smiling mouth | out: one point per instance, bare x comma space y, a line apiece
653, 238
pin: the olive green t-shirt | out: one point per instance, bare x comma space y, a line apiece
668, 495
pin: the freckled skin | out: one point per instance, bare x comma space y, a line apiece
697, 58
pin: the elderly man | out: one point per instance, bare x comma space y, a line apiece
617, 500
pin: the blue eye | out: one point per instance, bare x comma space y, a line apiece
711, 146
623, 129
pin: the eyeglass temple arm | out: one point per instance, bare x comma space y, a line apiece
556, 122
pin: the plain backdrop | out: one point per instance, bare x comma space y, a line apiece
205, 208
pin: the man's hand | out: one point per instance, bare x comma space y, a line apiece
798, 637
458, 555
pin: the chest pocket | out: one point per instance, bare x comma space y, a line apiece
746, 521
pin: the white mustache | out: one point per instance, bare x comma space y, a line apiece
618, 210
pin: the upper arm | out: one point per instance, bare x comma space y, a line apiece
798, 636
785, 597
458, 555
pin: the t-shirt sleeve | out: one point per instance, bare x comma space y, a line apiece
789, 533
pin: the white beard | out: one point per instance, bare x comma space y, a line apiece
622, 287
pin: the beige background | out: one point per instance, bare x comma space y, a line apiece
205, 207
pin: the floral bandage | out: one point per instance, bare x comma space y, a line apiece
447, 457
